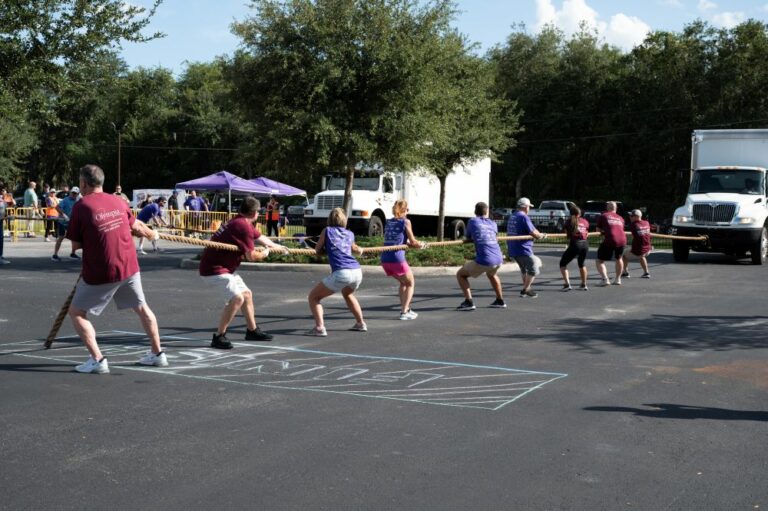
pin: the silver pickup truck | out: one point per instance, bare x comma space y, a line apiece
551, 215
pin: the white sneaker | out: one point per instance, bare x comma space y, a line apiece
150, 359
617, 282
359, 327
141, 251
605, 283
3, 260
92, 366
408, 315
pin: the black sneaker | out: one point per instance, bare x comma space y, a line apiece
220, 342
258, 335
645, 276
74, 256
566, 287
625, 275
498, 303
528, 294
466, 305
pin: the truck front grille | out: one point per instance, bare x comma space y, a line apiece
713, 213
330, 202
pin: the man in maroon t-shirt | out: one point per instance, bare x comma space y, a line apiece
102, 225
641, 243
611, 226
217, 269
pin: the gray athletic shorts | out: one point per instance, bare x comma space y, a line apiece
529, 265
340, 279
93, 299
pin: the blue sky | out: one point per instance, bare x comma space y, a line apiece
198, 30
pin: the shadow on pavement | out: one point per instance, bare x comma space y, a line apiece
672, 411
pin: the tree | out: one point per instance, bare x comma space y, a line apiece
330, 84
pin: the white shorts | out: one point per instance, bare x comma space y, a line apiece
227, 285
93, 299
340, 279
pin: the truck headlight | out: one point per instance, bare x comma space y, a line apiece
308, 212
746, 220
683, 219
360, 212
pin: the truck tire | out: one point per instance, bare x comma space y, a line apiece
759, 251
313, 231
680, 251
375, 226
456, 229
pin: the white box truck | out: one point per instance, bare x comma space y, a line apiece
727, 195
375, 190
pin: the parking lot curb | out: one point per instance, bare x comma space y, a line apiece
193, 264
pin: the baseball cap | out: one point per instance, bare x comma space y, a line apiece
523, 202
74, 189
636, 212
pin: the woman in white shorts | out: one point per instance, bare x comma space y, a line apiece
338, 243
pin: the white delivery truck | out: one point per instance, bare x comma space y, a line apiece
375, 190
727, 195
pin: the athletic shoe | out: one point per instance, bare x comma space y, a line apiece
317, 332
150, 359
142, 252
47, 239
617, 282
220, 342
605, 283
583, 288
56, 258
498, 303
528, 294
625, 275
74, 256
359, 327
258, 335
408, 315
466, 305
645, 276
92, 366
3, 260
566, 287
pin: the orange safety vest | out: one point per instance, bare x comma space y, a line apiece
273, 213
52, 212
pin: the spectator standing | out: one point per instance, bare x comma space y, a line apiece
611, 226
193, 206
217, 269
173, 207
65, 211
119, 193
641, 243
10, 203
577, 229
147, 200
488, 258
151, 214
32, 208
273, 216
519, 224
51, 214
3, 214
398, 231
102, 224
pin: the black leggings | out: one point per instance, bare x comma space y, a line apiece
273, 225
576, 249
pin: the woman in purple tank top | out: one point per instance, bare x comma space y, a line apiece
396, 232
338, 243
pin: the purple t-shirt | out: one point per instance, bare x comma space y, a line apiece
519, 224
641, 237
483, 232
149, 212
338, 246
196, 204
612, 227
394, 234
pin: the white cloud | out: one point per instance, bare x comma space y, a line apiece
765, 7
706, 5
621, 30
672, 3
728, 19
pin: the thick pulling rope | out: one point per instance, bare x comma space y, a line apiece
60, 318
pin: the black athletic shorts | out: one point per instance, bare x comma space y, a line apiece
576, 249
607, 253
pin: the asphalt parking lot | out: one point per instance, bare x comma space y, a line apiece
651, 396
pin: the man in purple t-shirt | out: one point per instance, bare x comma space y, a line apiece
217, 269
611, 226
488, 258
102, 224
641, 243
519, 224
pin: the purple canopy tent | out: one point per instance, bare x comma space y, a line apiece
276, 187
224, 181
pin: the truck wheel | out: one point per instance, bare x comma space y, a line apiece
456, 229
680, 250
759, 250
375, 226
314, 231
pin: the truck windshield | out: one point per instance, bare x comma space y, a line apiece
370, 184
750, 182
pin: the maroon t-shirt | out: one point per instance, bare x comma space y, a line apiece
238, 231
641, 237
581, 231
612, 226
102, 222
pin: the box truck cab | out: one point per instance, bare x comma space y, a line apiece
727, 196
375, 190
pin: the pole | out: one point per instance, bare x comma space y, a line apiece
119, 150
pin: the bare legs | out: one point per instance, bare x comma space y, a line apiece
85, 330
243, 303
320, 291
405, 291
